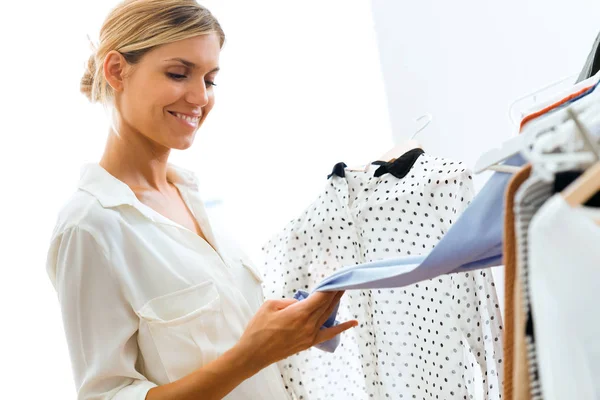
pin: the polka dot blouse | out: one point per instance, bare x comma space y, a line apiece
437, 339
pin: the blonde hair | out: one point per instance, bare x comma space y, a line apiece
135, 27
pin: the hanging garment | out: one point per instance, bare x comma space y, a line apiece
525, 346
532, 194
439, 337
510, 271
564, 275
473, 242
529, 199
592, 64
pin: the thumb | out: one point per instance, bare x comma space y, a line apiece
329, 333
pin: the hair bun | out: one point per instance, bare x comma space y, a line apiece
87, 81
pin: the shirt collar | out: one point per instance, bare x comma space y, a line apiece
111, 192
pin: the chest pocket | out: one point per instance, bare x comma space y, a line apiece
249, 266
185, 327
248, 280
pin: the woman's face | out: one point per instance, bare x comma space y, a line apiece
169, 93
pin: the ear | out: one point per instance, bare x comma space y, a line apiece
114, 70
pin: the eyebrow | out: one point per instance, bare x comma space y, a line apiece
190, 64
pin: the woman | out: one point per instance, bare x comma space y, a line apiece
155, 304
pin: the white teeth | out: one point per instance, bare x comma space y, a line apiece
193, 120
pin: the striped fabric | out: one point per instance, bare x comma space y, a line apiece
532, 194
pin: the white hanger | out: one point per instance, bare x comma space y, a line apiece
577, 145
560, 116
422, 122
567, 137
565, 133
427, 118
516, 112
490, 159
548, 100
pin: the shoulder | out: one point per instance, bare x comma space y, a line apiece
82, 212
445, 168
79, 234
445, 174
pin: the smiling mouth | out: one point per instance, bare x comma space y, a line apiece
190, 120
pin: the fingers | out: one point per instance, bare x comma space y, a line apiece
327, 312
329, 333
319, 306
318, 302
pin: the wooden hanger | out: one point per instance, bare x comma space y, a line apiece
584, 187
588, 184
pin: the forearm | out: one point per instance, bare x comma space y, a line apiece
213, 381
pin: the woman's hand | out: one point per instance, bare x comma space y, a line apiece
282, 328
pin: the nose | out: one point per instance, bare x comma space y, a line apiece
197, 94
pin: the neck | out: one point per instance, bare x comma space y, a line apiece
136, 160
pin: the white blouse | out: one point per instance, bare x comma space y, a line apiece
564, 276
145, 301
439, 338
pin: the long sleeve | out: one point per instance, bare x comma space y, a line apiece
100, 325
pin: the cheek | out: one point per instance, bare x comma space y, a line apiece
144, 103
164, 95
167, 93
156, 97
153, 108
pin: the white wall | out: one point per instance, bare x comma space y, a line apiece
465, 61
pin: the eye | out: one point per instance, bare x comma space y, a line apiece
210, 83
176, 77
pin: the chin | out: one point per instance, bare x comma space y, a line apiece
183, 143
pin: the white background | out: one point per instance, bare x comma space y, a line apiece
466, 61
304, 84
